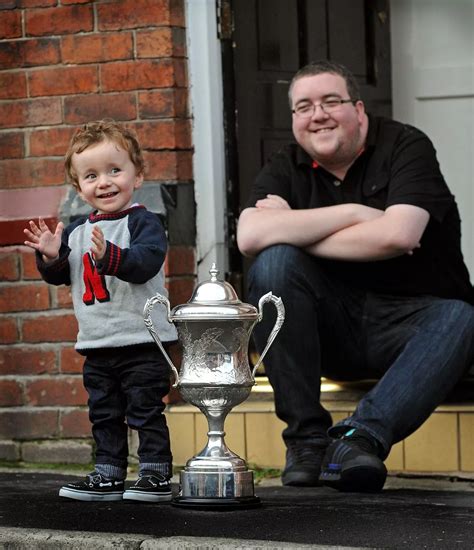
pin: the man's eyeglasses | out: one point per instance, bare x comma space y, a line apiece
307, 110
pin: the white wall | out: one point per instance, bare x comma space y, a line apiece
433, 89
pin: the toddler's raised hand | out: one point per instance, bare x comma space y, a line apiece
99, 245
43, 240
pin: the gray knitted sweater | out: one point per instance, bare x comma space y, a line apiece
109, 297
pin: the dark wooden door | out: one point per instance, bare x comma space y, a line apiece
269, 40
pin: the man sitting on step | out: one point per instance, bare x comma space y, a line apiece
356, 230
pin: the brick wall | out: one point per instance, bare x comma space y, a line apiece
63, 63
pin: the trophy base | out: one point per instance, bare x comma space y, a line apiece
216, 490
216, 504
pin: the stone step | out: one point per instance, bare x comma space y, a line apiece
444, 445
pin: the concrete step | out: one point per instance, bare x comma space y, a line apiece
444, 445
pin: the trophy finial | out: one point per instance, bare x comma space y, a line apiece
213, 272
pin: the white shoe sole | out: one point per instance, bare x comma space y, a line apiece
90, 496
147, 497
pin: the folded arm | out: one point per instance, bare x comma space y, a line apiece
398, 231
272, 221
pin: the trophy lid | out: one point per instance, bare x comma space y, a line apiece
213, 300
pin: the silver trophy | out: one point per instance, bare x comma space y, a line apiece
214, 328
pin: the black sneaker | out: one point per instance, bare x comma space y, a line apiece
94, 487
303, 463
352, 464
150, 488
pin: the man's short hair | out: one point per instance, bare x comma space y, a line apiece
96, 132
324, 66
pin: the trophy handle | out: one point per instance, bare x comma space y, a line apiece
150, 304
269, 297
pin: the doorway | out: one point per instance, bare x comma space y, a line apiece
264, 42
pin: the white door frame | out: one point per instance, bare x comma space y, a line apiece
207, 112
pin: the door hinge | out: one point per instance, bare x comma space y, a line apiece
224, 19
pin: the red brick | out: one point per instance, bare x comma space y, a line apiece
24, 424
50, 142
28, 53
133, 14
66, 2
75, 423
180, 260
9, 266
28, 263
63, 296
71, 361
24, 297
133, 75
51, 328
12, 86
93, 48
9, 54
163, 103
180, 290
13, 113
59, 20
12, 145
11, 231
36, 3
34, 112
57, 390
164, 134
169, 165
8, 330
11, 393
81, 109
63, 81
179, 42
10, 24
31, 172
27, 360
27, 204
180, 73
155, 43
177, 17
43, 111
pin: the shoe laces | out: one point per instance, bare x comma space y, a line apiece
361, 441
304, 453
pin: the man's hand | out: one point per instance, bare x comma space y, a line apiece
43, 240
99, 245
273, 201
395, 233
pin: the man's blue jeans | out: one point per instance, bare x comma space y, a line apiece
418, 347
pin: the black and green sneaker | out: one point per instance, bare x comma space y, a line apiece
94, 488
150, 487
352, 464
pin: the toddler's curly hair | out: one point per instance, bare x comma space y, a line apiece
95, 132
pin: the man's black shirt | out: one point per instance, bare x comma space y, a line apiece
397, 166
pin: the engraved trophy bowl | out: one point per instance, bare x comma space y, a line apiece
214, 328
